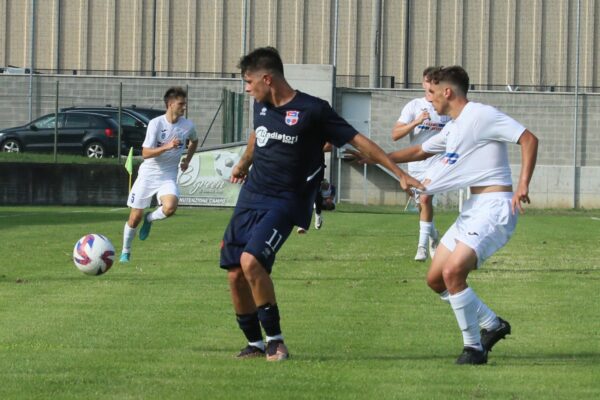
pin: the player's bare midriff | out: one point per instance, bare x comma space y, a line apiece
490, 189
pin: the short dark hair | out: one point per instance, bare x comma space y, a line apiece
173, 93
262, 58
428, 71
455, 75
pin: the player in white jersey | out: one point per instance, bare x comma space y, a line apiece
162, 150
475, 155
420, 120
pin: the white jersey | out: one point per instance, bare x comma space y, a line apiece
474, 149
423, 131
159, 132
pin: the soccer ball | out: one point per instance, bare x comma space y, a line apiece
224, 163
93, 254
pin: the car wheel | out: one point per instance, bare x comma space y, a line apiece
11, 146
95, 150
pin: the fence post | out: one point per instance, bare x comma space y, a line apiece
187, 93
56, 124
239, 113
225, 136
120, 134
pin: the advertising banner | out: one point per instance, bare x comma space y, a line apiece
206, 181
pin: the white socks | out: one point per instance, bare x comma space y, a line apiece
260, 344
426, 229
156, 215
465, 305
445, 296
276, 337
128, 235
487, 318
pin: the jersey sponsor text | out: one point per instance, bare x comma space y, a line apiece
263, 136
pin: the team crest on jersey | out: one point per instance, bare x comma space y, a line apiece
291, 117
163, 134
263, 111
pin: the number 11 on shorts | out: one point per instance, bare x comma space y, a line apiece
275, 239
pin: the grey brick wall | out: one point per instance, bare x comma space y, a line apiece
550, 116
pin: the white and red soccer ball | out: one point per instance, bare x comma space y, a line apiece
93, 254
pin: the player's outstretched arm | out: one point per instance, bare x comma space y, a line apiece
240, 170
529, 148
373, 152
409, 154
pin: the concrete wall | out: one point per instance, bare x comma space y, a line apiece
550, 116
63, 184
316, 80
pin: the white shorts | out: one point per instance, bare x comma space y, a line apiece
485, 224
143, 190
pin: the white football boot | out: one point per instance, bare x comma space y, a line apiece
421, 254
318, 221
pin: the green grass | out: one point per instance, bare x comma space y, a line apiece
356, 313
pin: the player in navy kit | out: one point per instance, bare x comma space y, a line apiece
285, 152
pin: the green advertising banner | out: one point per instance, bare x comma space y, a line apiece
206, 181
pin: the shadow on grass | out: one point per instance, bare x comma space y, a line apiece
527, 359
586, 358
536, 270
552, 358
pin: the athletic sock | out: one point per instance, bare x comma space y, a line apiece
276, 337
128, 235
425, 230
156, 215
444, 296
250, 325
268, 314
260, 344
487, 318
465, 305
432, 229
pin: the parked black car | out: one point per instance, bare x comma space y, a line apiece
91, 134
134, 121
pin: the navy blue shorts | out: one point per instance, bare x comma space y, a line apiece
258, 232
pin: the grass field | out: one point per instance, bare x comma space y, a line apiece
356, 313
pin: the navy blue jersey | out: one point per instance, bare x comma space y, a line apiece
288, 153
